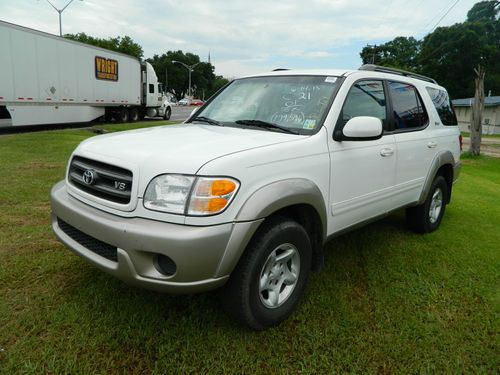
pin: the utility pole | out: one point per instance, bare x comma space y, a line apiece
60, 13
373, 47
477, 112
190, 68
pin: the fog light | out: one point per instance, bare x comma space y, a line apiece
164, 265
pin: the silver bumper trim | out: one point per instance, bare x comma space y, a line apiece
200, 253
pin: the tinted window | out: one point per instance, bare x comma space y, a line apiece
366, 98
443, 106
407, 107
151, 88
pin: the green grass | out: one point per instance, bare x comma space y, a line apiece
467, 134
110, 127
386, 301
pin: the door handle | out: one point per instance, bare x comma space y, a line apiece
431, 144
387, 152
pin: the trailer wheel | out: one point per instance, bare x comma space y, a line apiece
123, 115
134, 114
108, 115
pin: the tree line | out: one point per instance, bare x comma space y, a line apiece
176, 77
450, 54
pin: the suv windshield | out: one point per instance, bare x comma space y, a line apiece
295, 104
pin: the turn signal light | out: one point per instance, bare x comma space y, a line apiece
212, 195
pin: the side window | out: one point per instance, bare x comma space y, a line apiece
151, 88
443, 106
366, 98
407, 107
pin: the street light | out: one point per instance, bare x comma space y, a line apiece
60, 12
190, 68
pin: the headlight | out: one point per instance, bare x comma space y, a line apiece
175, 194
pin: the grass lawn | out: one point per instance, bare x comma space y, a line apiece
387, 300
467, 134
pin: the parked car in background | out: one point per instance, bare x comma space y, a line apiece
185, 101
197, 102
173, 100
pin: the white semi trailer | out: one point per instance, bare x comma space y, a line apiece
46, 79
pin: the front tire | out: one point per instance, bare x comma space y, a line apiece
134, 114
168, 113
426, 217
271, 276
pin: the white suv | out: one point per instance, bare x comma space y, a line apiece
246, 192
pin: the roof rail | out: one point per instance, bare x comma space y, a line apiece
384, 69
279, 69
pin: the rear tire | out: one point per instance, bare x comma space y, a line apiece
270, 278
108, 115
426, 217
123, 115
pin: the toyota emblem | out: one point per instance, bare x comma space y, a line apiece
88, 176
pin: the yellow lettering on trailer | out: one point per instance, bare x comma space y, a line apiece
106, 69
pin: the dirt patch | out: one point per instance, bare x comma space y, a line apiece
489, 146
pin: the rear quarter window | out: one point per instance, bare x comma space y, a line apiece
443, 106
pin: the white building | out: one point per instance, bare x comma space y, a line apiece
491, 114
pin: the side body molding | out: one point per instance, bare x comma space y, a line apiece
442, 158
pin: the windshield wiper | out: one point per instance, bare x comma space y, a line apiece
266, 125
207, 120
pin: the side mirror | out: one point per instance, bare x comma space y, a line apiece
362, 128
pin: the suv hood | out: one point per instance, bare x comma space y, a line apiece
182, 148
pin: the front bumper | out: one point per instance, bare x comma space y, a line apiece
204, 256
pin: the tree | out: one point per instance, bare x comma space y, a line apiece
204, 82
484, 11
477, 112
401, 52
119, 44
450, 54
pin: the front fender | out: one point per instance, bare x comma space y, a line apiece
281, 194
263, 203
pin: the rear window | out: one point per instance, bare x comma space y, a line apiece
407, 107
443, 106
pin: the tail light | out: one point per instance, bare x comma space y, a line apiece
461, 141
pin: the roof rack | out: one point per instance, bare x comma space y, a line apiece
384, 69
279, 69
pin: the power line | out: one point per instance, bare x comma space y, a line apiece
436, 16
444, 15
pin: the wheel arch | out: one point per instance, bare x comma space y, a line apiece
299, 199
442, 165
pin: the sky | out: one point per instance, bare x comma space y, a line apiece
245, 37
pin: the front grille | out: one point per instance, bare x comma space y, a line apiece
100, 179
100, 248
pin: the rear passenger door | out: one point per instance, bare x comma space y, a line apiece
416, 143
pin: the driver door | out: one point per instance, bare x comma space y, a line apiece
362, 171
